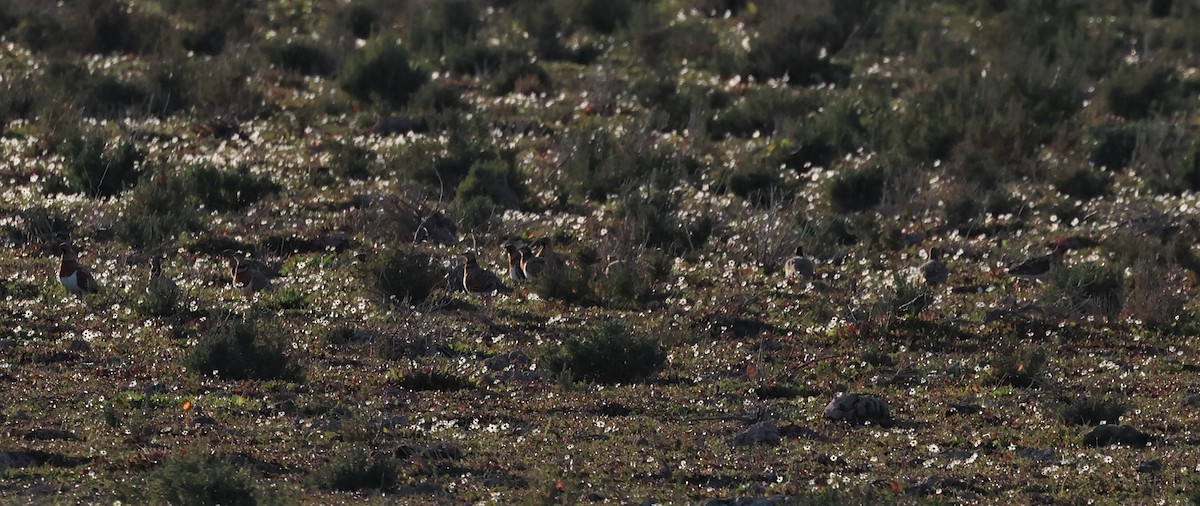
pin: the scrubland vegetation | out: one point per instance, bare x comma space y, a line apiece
674, 153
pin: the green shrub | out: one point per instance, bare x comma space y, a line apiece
1018, 366
760, 111
301, 57
1137, 92
1114, 147
198, 479
157, 212
359, 19
624, 285
608, 353
228, 190
445, 26
909, 297
520, 76
602, 16
356, 471
99, 170
339, 335
1089, 286
754, 185
402, 276
563, 283
350, 161
1089, 410
428, 379
489, 185
237, 350
1083, 183
858, 190
380, 73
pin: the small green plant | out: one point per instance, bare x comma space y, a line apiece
1089, 410
623, 285
563, 283
609, 353
1019, 367
228, 190
1137, 91
300, 56
402, 276
1089, 286
157, 212
431, 379
356, 470
858, 190
489, 185
237, 350
289, 298
1083, 183
97, 169
339, 335
1114, 147
195, 478
381, 73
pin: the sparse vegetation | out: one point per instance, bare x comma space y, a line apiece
675, 154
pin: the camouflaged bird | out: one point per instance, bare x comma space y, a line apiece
1037, 268
859, 408
935, 270
248, 276
798, 266
477, 280
515, 271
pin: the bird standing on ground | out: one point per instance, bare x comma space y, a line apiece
798, 266
1037, 268
532, 264
74, 277
247, 276
935, 270
477, 280
515, 271
544, 248
160, 284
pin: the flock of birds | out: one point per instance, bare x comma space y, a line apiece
530, 261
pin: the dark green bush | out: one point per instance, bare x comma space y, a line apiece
1137, 92
602, 16
237, 350
404, 275
1092, 286
608, 353
1114, 145
427, 379
356, 470
761, 111
96, 169
490, 185
521, 77
563, 283
197, 479
858, 190
624, 285
1083, 183
380, 73
359, 19
755, 185
1090, 411
1019, 366
157, 212
299, 56
228, 190
350, 161
599, 164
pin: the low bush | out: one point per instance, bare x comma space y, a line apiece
228, 190
356, 470
1083, 183
237, 350
1137, 92
608, 353
299, 56
623, 285
381, 73
858, 190
429, 379
97, 169
1090, 411
157, 212
197, 479
1020, 367
1113, 146
563, 283
1089, 287
490, 185
402, 276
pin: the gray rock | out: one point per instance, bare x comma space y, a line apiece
859, 408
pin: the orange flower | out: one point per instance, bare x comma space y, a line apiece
187, 405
